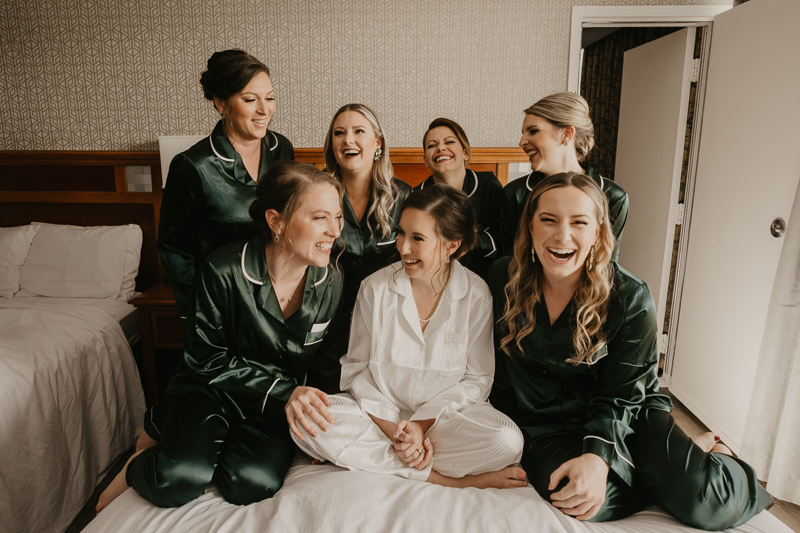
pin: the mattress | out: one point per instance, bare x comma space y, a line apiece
70, 403
126, 314
322, 498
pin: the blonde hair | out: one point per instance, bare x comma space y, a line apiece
568, 109
384, 191
524, 289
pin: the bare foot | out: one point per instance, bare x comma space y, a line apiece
507, 478
706, 441
117, 486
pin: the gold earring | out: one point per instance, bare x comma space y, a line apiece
533, 253
591, 259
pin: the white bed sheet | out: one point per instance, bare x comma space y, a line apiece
70, 403
126, 314
322, 498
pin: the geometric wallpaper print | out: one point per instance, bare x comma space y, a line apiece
116, 74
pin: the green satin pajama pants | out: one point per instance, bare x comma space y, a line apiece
708, 491
201, 440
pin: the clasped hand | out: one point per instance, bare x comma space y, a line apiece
411, 446
585, 493
305, 403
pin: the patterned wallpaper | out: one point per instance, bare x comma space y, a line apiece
116, 74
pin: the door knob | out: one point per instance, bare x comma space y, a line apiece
778, 227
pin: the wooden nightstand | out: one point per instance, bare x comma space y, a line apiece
161, 328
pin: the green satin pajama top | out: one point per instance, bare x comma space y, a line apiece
486, 192
543, 393
363, 248
241, 346
205, 204
516, 192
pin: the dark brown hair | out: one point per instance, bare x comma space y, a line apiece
228, 72
457, 130
282, 187
452, 213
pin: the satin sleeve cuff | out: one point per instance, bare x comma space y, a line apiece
611, 450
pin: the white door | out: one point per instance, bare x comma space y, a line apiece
747, 175
656, 79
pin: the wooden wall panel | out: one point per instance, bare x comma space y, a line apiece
42, 178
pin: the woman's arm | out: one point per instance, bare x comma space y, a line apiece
622, 378
177, 230
357, 377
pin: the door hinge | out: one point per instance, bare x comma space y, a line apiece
664, 343
679, 215
695, 70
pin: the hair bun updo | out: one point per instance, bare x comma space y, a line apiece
228, 72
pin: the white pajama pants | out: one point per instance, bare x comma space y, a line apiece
471, 440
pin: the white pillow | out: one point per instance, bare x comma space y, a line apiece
82, 262
15, 243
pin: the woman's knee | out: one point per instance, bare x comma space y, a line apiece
166, 482
246, 484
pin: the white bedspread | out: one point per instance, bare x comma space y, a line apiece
70, 403
326, 498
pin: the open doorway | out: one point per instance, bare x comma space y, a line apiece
600, 38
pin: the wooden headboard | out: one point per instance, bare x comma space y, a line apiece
88, 188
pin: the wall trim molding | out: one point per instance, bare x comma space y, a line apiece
626, 16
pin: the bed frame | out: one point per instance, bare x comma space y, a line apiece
90, 188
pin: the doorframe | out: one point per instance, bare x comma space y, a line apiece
624, 16
656, 16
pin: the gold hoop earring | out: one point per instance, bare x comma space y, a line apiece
591, 259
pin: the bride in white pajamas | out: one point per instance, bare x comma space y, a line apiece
420, 364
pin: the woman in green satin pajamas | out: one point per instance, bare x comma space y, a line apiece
262, 308
577, 371
356, 154
210, 186
557, 135
447, 152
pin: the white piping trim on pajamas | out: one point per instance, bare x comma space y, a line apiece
387, 242
246, 275
602, 184
476, 183
312, 343
609, 442
323, 277
217, 153
527, 181
263, 405
494, 248
151, 421
272, 148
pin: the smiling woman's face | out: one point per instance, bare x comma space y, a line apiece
564, 228
354, 142
422, 252
247, 113
314, 226
443, 151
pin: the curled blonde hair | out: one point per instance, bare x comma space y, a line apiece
524, 289
568, 109
384, 191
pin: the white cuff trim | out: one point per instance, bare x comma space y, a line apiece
615, 447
